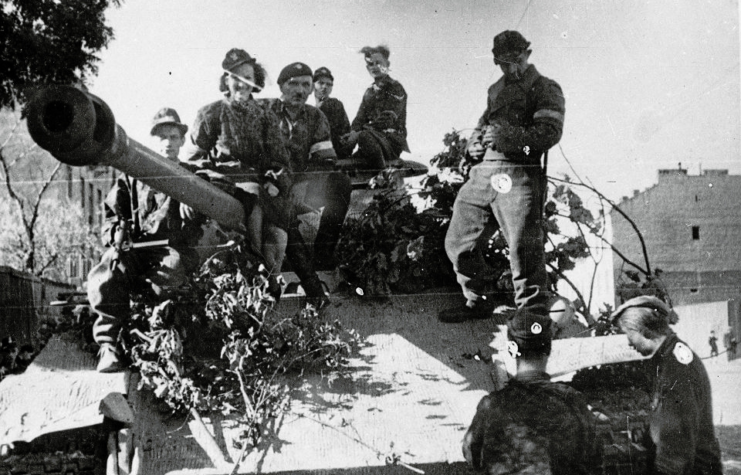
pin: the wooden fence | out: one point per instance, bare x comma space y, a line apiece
24, 298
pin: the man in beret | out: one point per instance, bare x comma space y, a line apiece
523, 119
680, 435
316, 185
333, 109
532, 425
135, 213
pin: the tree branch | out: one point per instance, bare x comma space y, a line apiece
647, 271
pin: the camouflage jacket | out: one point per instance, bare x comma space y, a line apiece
235, 138
530, 113
532, 424
307, 137
680, 434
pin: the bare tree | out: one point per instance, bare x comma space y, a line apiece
38, 228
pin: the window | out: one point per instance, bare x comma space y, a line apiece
73, 266
695, 233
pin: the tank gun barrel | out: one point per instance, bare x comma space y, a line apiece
79, 129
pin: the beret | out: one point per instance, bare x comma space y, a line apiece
323, 72
293, 70
235, 57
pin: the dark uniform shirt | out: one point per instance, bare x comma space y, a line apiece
388, 95
339, 124
532, 424
530, 112
307, 137
152, 216
681, 435
236, 138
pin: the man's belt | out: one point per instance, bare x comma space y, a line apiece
492, 155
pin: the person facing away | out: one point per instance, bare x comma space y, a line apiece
380, 127
237, 144
523, 118
532, 425
333, 109
680, 437
136, 213
306, 133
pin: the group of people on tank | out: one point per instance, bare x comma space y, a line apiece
280, 157
283, 153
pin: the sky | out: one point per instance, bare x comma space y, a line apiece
648, 84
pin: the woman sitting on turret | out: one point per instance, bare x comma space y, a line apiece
236, 138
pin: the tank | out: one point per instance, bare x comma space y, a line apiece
79, 129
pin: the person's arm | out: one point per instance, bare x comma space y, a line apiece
321, 149
117, 212
547, 125
278, 169
202, 138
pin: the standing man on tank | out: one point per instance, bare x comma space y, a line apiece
523, 118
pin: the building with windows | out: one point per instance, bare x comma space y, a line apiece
86, 187
691, 225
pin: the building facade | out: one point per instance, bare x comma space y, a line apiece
86, 188
691, 225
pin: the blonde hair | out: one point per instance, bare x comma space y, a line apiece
650, 322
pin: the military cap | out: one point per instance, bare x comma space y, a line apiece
293, 70
531, 331
323, 72
507, 45
235, 57
168, 116
644, 301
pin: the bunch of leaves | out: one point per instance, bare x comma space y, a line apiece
392, 247
397, 246
564, 206
220, 347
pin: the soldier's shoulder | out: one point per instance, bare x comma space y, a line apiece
333, 104
394, 87
547, 85
681, 353
211, 108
